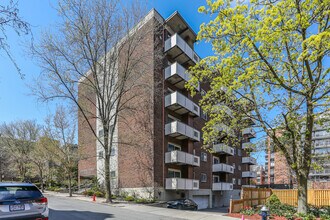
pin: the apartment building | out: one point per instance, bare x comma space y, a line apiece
279, 172
173, 164
260, 171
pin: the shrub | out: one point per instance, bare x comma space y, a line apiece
129, 198
113, 196
99, 194
308, 216
248, 211
325, 217
141, 200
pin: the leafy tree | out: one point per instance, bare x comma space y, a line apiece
19, 138
10, 19
60, 131
271, 64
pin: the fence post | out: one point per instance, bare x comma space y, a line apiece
230, 205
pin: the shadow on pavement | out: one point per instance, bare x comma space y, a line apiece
81, 215
223, 210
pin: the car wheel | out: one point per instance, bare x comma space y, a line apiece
180, 207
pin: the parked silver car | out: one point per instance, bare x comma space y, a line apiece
22, 201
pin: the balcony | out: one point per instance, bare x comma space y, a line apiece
181, 104
248, 145
223, 149
221, 167
249, 132
181, 184
249, 160
324, 172
180, 51
182, 158
222, 186
249, 174
225, 129
181, 131
177, 75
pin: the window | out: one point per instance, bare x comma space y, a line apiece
239, 152
172, 173
101, 133
203, 177
239, 167
239, 181
234, 181
234, 165
216, 160
234, 151
113, 151
216, 179
101, 154
173, 147
204, 156
203, 115
113, 174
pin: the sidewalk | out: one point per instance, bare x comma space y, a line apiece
183, 214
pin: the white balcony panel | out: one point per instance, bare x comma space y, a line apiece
222, 186
181, 157
248, 145
181, 104
178, 75
181, 131
223, 149
221, 167
182, 184
249, 160
249, 132
249, 174
177, 41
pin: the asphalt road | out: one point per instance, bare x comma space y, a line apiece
70, 209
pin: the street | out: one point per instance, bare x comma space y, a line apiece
61, 208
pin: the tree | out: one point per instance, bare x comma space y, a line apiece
19, 138
9, 18
96, 51
59, 139
270, 65
41, 157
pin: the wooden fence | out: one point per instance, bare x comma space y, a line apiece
254, 196
249, 197
316, 197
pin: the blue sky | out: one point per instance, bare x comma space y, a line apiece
16, 100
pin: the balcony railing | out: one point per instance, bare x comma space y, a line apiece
176, 41
223, 149
320, 173
249, 174
181, 131
248, 145
181, 104
180, 157
250, 132
220, 186
178, 76
221, 167
224, 128
181, 184
249, 160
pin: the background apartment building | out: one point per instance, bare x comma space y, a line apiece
173, 164
279, 173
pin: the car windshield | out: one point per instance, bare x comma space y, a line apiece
19, 192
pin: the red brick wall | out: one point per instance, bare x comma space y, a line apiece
86, 139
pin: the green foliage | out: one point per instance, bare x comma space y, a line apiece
308, 216
319, 211
96, 192
325, 217
277, 208
129, 198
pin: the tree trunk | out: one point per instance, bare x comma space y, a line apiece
107, 177
70, 185
302, 193
41, 180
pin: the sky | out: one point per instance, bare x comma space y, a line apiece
16, 100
